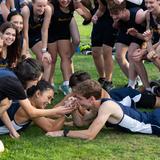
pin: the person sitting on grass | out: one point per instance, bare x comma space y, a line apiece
40, 96
129, 119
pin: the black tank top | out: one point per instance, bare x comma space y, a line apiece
106, 13
59, 17
35, 26
131, 23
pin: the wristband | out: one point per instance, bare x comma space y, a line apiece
13, 9
44, 50
65, 132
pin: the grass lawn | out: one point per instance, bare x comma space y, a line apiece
109, 144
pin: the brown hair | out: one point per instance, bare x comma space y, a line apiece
78, 77
115, 8
14, 50
88, 88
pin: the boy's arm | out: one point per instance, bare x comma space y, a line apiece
90, 133
82, 10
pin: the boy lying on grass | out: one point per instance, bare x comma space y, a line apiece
88, 94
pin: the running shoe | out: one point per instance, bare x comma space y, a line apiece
105, 84
65, 89
154, 83
156, 90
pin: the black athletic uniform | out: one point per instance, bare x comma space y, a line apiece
60, 21
125, 38
10, 86
103, 31
136, 121
35, 27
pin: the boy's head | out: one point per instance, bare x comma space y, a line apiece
115, 9
78, 77
88, 88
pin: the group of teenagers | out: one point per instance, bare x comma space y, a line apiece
133, 28
48, 28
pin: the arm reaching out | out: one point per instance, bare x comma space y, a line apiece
90, 133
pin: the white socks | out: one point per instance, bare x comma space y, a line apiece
66, 83
131, 83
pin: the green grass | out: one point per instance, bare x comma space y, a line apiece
110, 144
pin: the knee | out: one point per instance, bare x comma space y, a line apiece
66, 58
137, 56
119, 57
95, 54
46, 63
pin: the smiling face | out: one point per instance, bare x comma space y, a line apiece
152, 4
17, 20
42, 99
86, 103
64, 3
9, 36
39, 6
117, 16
